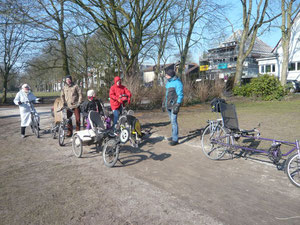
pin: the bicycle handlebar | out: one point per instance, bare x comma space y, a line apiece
64, 107
26, 102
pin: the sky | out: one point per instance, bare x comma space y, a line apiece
234, 15
270, 37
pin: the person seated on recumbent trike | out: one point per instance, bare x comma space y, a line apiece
91, 104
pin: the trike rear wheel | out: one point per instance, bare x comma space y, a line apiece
77, 146
212, 141
110, 153
293, 169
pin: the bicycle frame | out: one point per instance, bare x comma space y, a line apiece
232, 137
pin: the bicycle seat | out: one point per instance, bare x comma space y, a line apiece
229, 117
95, 120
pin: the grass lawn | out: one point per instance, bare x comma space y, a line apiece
278, 120
48, 96
37, 94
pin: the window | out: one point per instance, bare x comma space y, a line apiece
268, 68
273, 68
292, 66
262, 69
298, 65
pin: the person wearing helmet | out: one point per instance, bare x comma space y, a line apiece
91, 104
71, 97
118, 95
23, 97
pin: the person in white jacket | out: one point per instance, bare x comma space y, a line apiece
23, 99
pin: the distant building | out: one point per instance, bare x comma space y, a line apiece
273, 64
220, 62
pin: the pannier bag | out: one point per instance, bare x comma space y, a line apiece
215, 104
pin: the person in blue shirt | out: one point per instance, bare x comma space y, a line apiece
172, 102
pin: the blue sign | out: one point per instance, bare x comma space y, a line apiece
222, 66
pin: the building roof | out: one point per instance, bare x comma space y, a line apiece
259, 45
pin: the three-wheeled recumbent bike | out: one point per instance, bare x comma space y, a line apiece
221, 136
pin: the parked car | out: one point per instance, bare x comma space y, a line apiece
293, 86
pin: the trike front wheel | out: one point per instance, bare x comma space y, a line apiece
293, 169
77, 146
214, 141
110, 153
61, 135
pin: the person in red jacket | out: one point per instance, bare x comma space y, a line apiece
118, 95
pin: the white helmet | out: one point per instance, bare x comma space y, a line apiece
90, 93
25, 86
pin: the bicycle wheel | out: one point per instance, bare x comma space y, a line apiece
212, 141
35, 127
292, 169
110, 153
61, 135
77, 146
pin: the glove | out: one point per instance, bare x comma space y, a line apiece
176, 108
19, 103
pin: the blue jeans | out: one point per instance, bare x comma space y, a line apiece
117, 112
173, 118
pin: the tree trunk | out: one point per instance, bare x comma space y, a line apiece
239, 71
181, 68
241, 58
4, 96
286, 31
157, 71
62, 41
285, 62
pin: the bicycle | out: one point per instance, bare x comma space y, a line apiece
34, 119
60, 127
220, 137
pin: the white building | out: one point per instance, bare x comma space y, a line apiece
272, 65
221, 61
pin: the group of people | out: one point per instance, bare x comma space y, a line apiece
71, 96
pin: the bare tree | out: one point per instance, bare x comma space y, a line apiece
43, 71
288, 9
13, 42
127, 24
49, 21
251, 24
194, 11
165, 25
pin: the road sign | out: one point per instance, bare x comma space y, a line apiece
204, 68
222, 66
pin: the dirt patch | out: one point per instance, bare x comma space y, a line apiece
42, 183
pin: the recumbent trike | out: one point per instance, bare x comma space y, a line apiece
220, 136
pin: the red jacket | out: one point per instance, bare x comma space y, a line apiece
115, 95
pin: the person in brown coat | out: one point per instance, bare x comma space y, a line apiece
71, 96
